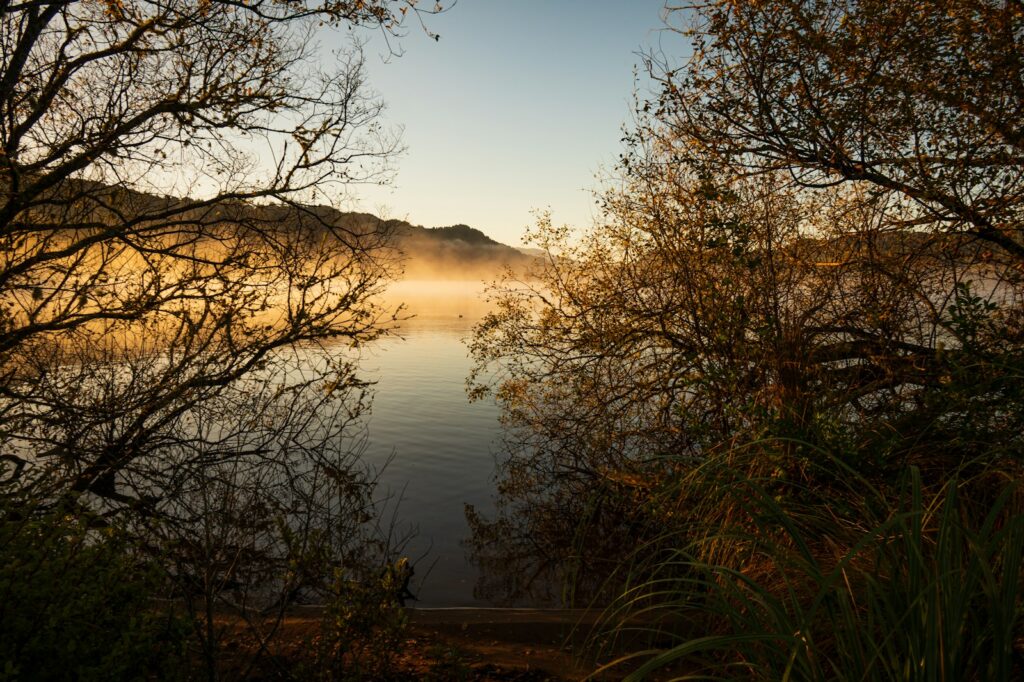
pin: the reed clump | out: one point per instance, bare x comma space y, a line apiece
772, 579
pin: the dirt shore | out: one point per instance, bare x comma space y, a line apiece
521, 645
539, 643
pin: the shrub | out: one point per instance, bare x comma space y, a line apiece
913, 585
75, 605
363, 629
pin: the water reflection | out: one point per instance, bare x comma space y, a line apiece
440, 446
442, 455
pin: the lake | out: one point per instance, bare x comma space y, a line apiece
437, 446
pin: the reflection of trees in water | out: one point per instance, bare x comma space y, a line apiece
557, 546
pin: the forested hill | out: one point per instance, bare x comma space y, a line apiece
452, 252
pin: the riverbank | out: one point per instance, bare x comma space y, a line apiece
523, 644
470, 644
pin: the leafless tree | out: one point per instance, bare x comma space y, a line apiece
181, 306
160, 166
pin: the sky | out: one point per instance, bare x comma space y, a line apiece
517, 107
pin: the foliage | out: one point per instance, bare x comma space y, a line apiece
75, 603
363, 630
859, 585
815, 237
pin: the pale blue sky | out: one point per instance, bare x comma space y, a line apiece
516, 107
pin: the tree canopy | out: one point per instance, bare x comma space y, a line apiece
171, 276
138, 277
814, 240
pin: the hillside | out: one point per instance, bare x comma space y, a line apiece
452, 252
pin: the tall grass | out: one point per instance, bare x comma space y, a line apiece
781, 581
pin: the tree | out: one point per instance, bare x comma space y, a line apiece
908, 108
914, 99
813, 243
123, 306
180, 306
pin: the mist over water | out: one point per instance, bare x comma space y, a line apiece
439, 302
438, 447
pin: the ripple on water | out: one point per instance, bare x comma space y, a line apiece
441, 448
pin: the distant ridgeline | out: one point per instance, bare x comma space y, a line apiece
452, 253
455, 252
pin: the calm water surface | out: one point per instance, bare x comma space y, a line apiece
441, 447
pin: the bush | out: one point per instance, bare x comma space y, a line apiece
908, 585
75, 605
364, 625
